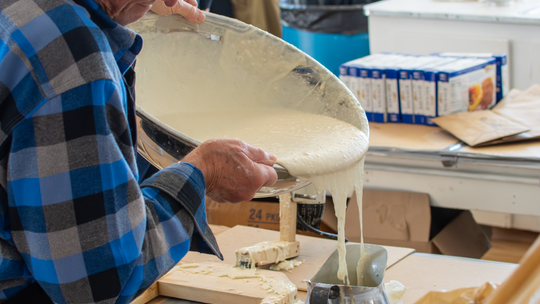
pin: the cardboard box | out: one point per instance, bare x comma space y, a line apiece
406, 219
393, 218
261, 214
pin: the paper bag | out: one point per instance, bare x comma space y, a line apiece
475, 128
523, 108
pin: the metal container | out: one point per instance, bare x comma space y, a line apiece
313, 85
326, 288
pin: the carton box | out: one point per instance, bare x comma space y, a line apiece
503, 71
261, 214
437, 96
374, 89
394, 218
357, 78
466, 87
406, 219
424, 95
405, 76
363, 83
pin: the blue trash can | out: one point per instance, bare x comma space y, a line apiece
330, 31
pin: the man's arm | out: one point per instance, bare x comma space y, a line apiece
84, 228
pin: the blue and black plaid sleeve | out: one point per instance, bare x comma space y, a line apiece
73, 217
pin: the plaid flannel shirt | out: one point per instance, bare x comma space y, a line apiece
73, 217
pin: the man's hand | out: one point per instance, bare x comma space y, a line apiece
233, 170
186, 8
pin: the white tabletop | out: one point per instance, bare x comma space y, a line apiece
523, 12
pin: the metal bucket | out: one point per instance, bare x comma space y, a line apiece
326, 288
308, 83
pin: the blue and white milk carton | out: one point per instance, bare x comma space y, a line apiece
405, 76
353, 75
392, 87
466, 85
378, 87
503, 71
369, 79
432, 89
344, 75
421, 94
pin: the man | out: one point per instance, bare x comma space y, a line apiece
75, 225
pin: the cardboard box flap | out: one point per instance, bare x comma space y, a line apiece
463, 237
523, 108
395, 215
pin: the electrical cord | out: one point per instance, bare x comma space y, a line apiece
317, 231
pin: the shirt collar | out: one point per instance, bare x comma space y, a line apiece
125, 43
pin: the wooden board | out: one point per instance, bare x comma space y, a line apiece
313, 250
212, 287
148, 295
421, 273
153, 291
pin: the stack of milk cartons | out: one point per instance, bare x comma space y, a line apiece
366, 79
399, 87
503, 71
424, 89
351, 76
415, 89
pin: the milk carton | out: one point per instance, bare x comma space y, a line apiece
391, 86
354, 74
370, 84
423, 95
381, 109
392, 95
432, 89
503, 72
344, 75
405, 75
466, 85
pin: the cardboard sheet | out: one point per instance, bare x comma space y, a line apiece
523, 108
313, 250
409, 137
514, 119
479, 127
421, 273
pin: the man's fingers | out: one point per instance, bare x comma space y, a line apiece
271, 175
259, 156
192, 2
162, 8
170, 3
190, 12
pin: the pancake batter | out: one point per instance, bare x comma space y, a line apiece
326, 151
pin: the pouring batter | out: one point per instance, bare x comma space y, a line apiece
326, 151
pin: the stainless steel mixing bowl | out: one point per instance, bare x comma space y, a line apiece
317, 90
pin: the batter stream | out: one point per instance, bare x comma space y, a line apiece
326, 151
